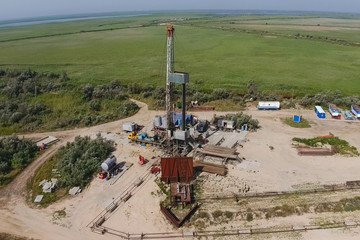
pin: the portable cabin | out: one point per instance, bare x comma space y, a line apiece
334, 110
348, 115
297, 118
268, 106
319, 112
226, 124
355, 110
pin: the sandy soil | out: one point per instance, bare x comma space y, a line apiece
277, 169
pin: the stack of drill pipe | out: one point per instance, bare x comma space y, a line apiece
219, 151
210, 168
305, 151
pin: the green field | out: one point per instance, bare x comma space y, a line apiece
217, 51
288, 56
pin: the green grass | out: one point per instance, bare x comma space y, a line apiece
45, 172
215, 52
302, 124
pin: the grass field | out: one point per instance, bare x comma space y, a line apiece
285, 56
216, 51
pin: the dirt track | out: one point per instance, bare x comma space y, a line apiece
280, 169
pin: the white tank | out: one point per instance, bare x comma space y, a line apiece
109, 163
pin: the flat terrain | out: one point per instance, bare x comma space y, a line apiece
299, 54
277, 169
283, 54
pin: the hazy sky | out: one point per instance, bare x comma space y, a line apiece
11, 9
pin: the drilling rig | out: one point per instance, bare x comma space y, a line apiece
176, 137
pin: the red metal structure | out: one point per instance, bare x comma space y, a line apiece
177, 169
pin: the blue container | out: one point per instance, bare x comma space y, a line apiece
297, 118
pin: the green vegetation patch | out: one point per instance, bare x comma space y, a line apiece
32, 100
218, 51
302, 124
240, 119
73, 165
342, 146
46, 172
15, 155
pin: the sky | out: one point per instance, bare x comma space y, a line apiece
13, 9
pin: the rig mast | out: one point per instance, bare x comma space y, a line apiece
169, 69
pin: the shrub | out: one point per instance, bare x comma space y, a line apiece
87, 91
95, 105
147, 94
159, 93
249, 216
241, 119
78, 161
15, 154
201, 97
134, 88
327, 97
217, 214
228, 214
220, 93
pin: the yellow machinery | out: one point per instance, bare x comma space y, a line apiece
132, 135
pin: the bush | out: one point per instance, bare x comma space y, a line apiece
15, 154
325, 98
147, 94
241, 119
217, 214
129, 107
201, 97
249, 217
87, 91
79, 160
220, 93
95, 105
159, 93
134, 88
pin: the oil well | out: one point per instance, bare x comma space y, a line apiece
186, 149
178, 166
